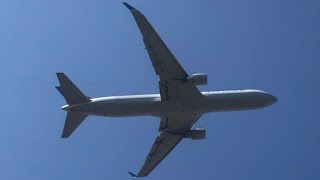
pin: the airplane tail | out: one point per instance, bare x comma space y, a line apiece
73, 95
69, 91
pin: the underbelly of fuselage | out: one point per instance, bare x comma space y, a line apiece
156, 107
132, 108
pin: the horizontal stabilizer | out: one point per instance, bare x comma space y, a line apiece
73, 120
70, 92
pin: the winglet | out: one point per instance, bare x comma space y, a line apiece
133, 175
128, 6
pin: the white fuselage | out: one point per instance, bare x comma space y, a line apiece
151, 104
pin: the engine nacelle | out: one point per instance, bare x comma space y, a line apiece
196, 134
198, 79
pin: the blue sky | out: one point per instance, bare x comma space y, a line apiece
268, 45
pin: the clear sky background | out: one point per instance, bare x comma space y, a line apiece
270, 45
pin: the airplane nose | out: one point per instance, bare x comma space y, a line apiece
273, 99
268, 99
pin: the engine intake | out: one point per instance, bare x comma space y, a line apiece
196, 134
198, 79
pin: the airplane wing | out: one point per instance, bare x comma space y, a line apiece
173, 78
172, 128
173, 85
179, 124
162, 146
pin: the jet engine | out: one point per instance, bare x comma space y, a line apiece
196, 134
198, 79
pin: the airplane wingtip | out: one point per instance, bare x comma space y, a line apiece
128, 6
133, 175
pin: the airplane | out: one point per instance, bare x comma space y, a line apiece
179, 105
